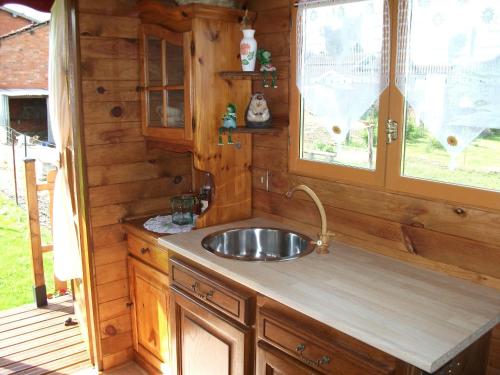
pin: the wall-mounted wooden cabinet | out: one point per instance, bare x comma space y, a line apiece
206, 38
166, 85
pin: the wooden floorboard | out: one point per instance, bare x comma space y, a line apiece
16, 310
67, 306
33, 327
35, 341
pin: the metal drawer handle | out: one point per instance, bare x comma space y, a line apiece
324, 360
145, 250
196, 289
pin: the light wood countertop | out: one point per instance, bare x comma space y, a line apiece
419, 316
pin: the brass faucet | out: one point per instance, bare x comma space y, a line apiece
322, 242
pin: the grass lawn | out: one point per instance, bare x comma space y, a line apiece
478, 165
16, 287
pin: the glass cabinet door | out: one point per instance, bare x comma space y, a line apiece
165, 84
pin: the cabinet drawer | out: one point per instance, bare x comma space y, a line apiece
271, 361
225, 298
299, 341
148, 253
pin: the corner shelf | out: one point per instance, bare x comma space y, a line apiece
229, 75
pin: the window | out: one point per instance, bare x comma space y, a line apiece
432, 67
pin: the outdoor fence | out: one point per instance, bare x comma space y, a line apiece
27, 173
14, 148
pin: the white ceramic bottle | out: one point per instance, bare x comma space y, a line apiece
248, 50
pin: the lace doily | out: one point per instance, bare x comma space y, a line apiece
163, 224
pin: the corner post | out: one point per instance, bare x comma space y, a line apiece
39, 288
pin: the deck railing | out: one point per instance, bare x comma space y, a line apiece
37, 248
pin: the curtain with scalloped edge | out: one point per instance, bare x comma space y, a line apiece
67, 256
342, 59
448, 67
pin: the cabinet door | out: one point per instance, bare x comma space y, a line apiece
165, 79
149, 293
207, 342
271, 361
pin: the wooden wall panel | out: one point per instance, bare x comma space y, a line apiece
107, 91
110, 69
146, 170
112, 291
115, 326
125, 178
104, 26
458, 240
102, 134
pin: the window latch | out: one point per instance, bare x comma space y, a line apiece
391, 131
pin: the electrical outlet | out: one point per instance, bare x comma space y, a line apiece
264, 180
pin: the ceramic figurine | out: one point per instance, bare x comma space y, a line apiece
266, 67
248, 46
257, 114
228, 122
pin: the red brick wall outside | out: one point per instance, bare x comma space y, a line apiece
24, 60
8, 23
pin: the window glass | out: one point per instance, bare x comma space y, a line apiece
154, 61
175, 108
342, 68
155, 112
448, 70
174, 64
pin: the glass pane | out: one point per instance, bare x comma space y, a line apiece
175, 64
175, 108
478, 165
155, 102
342, 70
328, 145
448, 69
154, 64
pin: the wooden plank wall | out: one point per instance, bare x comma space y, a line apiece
432, 234
124, 177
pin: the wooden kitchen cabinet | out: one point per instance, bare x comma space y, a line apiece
291, 343
212, 319
207, 342
166, 85
271, 361
149, 295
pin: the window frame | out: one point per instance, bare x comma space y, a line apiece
387, 173
331, 172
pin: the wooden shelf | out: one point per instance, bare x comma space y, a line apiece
241, 75
256, 131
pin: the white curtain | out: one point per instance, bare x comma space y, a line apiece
67, 257
342, 59
448, 67
4, 111
4, 118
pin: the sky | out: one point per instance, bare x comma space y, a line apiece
39, 16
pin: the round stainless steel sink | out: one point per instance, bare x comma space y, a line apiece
258, 244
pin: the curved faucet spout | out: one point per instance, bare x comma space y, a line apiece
324, 236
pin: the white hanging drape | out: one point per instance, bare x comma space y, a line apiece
4, 111
67, 257
342, 59
448, 67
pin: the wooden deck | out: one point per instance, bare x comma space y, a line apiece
35, 341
